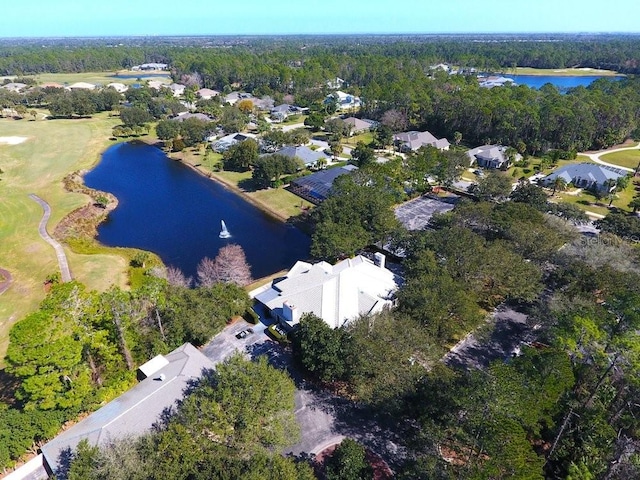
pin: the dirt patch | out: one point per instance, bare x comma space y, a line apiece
5, 280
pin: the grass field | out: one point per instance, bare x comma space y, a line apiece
102, 78
53, 149
280, 202
626, 158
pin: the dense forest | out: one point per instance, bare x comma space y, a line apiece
396, 79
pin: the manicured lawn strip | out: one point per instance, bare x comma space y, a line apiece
102, 78
626, 158
54, 148
280, 202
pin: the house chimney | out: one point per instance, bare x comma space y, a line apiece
290, 312
379, 259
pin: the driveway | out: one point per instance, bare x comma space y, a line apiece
225, 344
325, 419
595, 156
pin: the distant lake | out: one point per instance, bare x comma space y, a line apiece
169, 209
563, 83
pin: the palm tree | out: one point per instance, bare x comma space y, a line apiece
635, 203
559, 184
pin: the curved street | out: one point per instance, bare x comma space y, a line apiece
65, 273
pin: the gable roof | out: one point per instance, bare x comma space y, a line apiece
414, 140
336, 293
135, 411
357, 124
308, 156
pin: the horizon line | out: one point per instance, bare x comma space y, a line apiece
332, 34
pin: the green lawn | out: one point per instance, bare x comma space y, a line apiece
52, 149
366, 137
589, 202
626, 158
102, 78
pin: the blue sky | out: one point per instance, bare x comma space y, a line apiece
42, 18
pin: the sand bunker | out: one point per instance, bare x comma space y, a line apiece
12, 140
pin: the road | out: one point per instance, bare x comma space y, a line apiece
595, 156
65, 272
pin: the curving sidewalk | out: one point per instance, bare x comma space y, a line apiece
42, 229
596, 157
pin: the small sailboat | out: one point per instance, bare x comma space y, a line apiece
224, 233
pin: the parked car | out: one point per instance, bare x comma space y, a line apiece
278, 332
244, 333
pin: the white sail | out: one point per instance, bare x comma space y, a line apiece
224, 233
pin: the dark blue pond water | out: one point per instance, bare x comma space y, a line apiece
563, 83
169, 209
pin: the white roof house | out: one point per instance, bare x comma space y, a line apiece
207, 93
336, 293
82, 86
118, 87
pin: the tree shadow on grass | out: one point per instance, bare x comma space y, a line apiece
247, 185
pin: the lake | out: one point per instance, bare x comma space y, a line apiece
562, 82
167, 208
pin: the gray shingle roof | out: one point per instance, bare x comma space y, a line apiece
585, 174
135, 411
308, 156
414, 140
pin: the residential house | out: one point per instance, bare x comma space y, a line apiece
316, 187
177, 89
281, 112
309, 157
359, 125
223, 144
336, 293
336, 83
164, 380
156, 84
491, 156
181, 117
344, 101
150, 67
441, 66
495, 81
412, 141
118, 87
207, 93
586, 175
81, 86
235, 97
15, 87
51, 85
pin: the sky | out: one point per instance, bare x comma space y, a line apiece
72, 18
